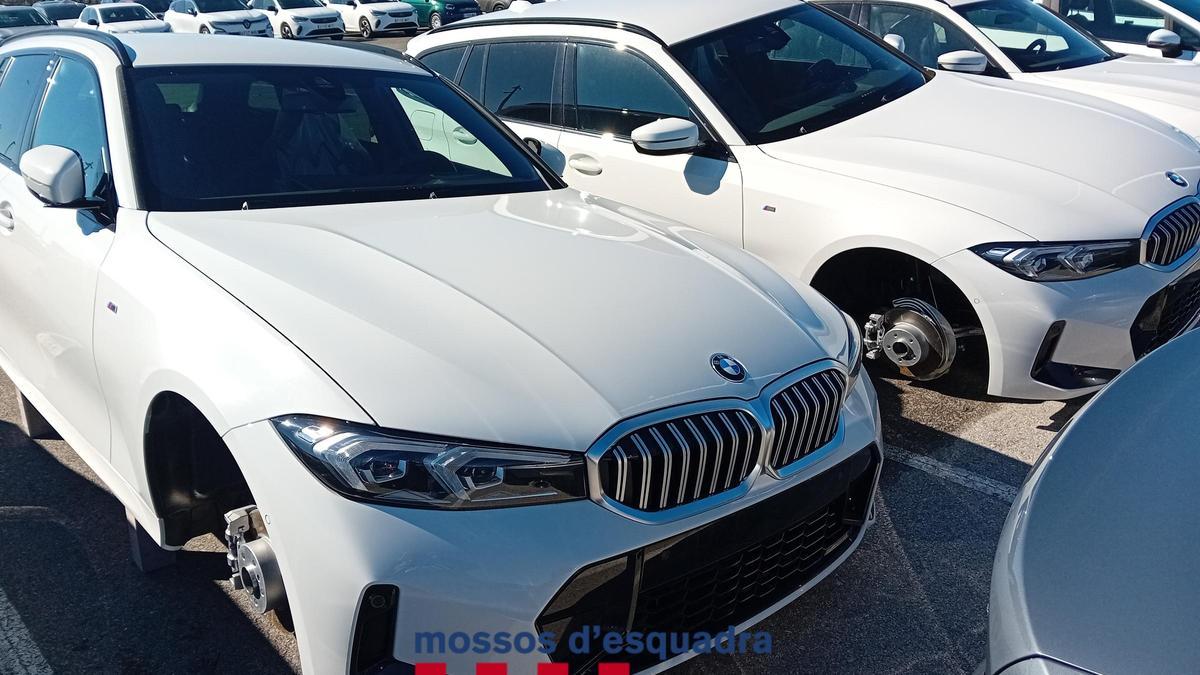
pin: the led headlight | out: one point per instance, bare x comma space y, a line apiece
301, 19
1061, 262
379, 12
854, 350
378, 465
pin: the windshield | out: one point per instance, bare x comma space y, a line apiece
375, 2
794, 72
1035, 38
155, 6
299, 4
206, 6
230, 137
15, 17
61, 12
117, 14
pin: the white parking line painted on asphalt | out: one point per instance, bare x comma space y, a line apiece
19, 654
967, 479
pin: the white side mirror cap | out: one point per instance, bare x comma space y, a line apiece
896, 41
520, 5
54, 174
670, 136
1167, 42
963, 61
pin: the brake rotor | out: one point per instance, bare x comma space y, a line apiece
915, 336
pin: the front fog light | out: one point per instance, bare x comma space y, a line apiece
378, 465
1061, 262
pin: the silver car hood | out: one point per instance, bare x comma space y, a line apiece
539, 318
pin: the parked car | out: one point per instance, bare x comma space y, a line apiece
925, 204
16, 20
123, 17
368, 17
220, 17
1096, 566
1137, 26
301, 19
420, 391
61, 12
501, 5
436, 13
1022, 40
156, 7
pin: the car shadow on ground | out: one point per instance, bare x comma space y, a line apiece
65, 569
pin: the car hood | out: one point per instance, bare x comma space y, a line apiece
145, 26
541, 318
1050, 163
313, 13
1097, 563
234, 15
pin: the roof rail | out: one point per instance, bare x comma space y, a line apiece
570, 21
106, 39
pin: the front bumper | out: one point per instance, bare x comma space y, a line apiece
1055, 341
384, 24
500, 570
310, 29
254, 30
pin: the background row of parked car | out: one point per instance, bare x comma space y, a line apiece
288, 19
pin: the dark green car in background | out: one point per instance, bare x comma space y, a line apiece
437, 13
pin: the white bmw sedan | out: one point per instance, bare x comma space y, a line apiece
423, 391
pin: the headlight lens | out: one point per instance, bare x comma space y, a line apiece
379, 12
1061, 262
854, 350
372, 464
301, 19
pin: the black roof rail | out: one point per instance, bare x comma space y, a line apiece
567, 20
105, 39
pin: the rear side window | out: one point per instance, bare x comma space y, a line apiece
472, 76
73, 117
519, 83
616, 92
20, 82
445, 62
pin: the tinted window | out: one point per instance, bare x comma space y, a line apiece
125, 13
795, 71
15, 17
327, 136
520, 80
843, 8
1118, 20
926, 35
219, 6
1035, 38
72, 117
616, 92
472, 76
445, 62
61, 12
23, 77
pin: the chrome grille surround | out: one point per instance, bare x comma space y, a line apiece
1172, 235
661, 434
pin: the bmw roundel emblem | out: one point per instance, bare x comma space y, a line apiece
1177, 179
728, 367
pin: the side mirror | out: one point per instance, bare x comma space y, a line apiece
54, 174
896, 41
533, 144
963, 61
93, 22
670, 136
273, 9
192, 11
1165, 41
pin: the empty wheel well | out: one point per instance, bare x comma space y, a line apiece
192, 476
866, 280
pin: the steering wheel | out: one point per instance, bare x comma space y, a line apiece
1036, 47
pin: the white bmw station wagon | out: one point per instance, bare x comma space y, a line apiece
420, 384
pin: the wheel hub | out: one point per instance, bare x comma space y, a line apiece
252, 560
915, 336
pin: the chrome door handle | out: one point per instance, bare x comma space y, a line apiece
6, 217
586, 165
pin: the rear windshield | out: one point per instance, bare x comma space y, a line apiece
16, 17
230, 137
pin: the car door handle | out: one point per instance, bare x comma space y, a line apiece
6, 217
463, 136
586, 165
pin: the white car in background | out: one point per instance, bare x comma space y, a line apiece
124, 17
1025, 41
1054, 230
301, 19
217, 17
420, 394
368, 17
1146, 27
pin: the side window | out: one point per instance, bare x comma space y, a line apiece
926, 35
72, 117
519, 83
20, 83
472, 75
617, 91
1118, 20
843, 8
445, 62
806, 45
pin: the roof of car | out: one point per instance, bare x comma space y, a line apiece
184, 49
671, 21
